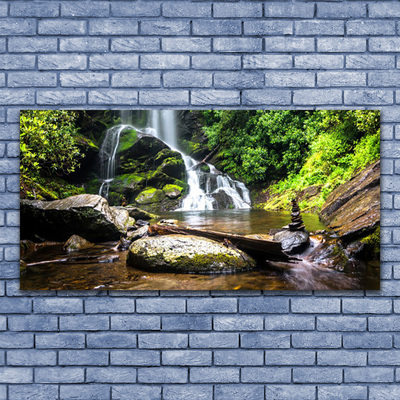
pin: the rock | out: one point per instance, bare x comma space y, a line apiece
88, 215
353, 209
140, 222
293, 242
75, 243
138, 233
186, 254
27, 248
150, 196
172, 191
138, 213
168, 222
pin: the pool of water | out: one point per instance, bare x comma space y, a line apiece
89, 269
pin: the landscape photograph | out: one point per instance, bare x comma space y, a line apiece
200, 199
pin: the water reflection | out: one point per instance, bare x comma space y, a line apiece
86, 273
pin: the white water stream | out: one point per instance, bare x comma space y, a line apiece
210, 190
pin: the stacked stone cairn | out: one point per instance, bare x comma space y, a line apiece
297, 222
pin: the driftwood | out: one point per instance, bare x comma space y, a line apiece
258, 248
207, 157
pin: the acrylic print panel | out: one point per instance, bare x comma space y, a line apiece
200, 200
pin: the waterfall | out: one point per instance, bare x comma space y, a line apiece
107, 153
208, 190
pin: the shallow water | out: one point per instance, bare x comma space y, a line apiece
86, 274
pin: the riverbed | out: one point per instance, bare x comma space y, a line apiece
82, 270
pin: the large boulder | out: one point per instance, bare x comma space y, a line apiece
187, 254
293, 242
352, 210
86, 215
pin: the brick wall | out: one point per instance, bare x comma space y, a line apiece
199, 345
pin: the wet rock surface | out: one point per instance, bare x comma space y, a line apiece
76, 243
353, 209
86, 215
185, 253
293, 242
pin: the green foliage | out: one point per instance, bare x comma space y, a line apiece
49, 146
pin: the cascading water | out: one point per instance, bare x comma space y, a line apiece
208, 190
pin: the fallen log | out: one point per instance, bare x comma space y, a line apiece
258, 248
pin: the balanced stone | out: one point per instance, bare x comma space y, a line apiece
297, 222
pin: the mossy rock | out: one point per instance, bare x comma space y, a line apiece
187, 254
150, 196
172, 191
174, 167
127, 138
165, 154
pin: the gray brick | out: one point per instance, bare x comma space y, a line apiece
345, 392
187, 323
16, 375
32, 44
193, 45
61, 97
87, 45
163, 340
57, 306
109, 96
326, 306
214, 375
3, 9
186, 357
288, 10
217, 27
212, 305
110, 375
179, 392
135, 357
238, 357
186, 10
36, 9
238, 80
237, 45
387, 323
289, 323
19, 26
382, 79
17, 61
365, 27
289, 79
342, 358
263, 375
61, 61
111, 340
61, 27
370, 61
344, 11
60, 375
83, 357
342, 78
16, 340
85, 9
113, 61
61, 340
319, 61
384, 357
139, 44
387, 44
135, 322
32, 323
263, 305
15, 305
216, 62
368, 97
129, 9
83, 79
162, 375
98, 392
214, 340
269, 27
114, 27
152, 98
317, 375
266, 340
215, 97
109, 306
366, 306
238, 10
275, 97
34, 79
187, 79
290, 357
165, 28
316, 27
289, 392
287, 44
32, 391
341, 45
242, 323
319, 340
381, 392
367, 341
84, 322
12, 151
341, 323
2, 80
368, 374
164, 61
384, 10
31, 357
136, 392
317, 97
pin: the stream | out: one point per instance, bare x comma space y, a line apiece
88, 273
